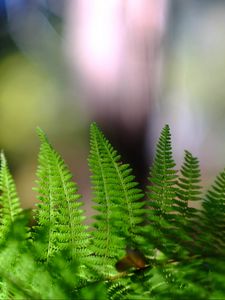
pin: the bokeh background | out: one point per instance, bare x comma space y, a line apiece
132, 66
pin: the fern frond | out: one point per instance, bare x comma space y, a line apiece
214, 217
117, 198
188, 202
24, 278
58, 213
119, 289
9, 201
194, 279
189, 191
162, 193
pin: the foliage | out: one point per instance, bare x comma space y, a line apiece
161, 245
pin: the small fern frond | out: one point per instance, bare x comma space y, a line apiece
9, 201
189, 191
162, 192
119, 289
163, 177
117, 198
58, 213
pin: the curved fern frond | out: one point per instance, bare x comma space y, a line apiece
117, 198
119, 289
58, 214
162, 192
9, 201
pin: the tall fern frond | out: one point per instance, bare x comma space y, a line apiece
58, 213
162, 193
9, 201
117, 198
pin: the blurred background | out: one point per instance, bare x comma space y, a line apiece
132, 66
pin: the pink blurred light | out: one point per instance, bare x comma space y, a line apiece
98, 40
113, 46
103, 31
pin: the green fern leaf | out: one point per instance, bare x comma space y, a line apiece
188, 202
58, 214
9, 201
212, 237
189, 191
162, 193
24, 278
117, 198
214, 217
119, 289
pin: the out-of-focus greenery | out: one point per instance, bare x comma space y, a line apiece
30, 97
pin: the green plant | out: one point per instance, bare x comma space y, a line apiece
153, 246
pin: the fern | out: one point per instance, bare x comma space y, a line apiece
25, 278
9, 201
162, 194
118, 201
214, 216
189, 189
188, 202
165, 247
58, 214
213, 234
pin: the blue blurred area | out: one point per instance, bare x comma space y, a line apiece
2, 11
